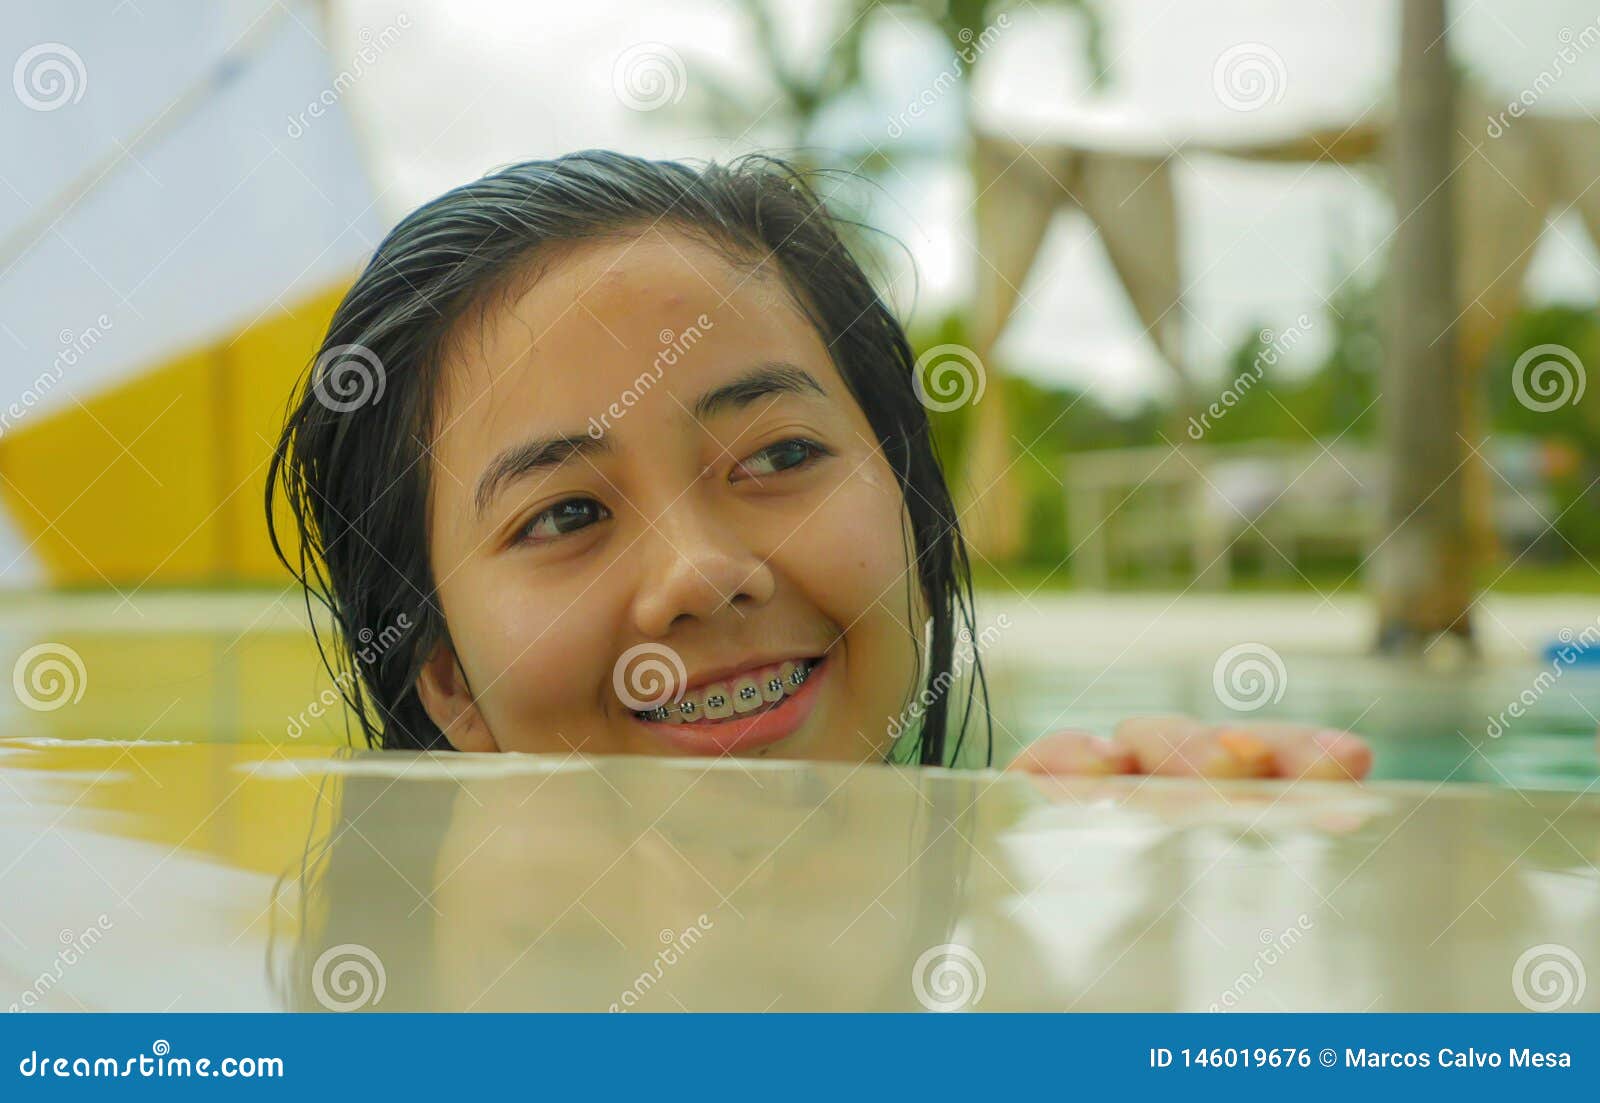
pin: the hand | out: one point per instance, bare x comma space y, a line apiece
1179, 746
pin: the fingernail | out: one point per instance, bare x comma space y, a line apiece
1243, 746
1337, 743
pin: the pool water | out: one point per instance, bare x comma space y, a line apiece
242, 669
1423, 725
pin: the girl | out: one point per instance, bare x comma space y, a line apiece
617, 456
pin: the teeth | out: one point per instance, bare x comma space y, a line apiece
746, 694
771, 689
719, 702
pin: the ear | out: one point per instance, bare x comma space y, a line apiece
449, 704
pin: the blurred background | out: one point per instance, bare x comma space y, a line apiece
1256, 335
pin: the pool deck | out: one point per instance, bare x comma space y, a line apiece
156, 877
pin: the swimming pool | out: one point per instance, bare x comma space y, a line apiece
241, 668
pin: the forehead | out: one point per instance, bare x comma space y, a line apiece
601, 313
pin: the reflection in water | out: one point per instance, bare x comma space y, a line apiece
634, 884
386, 881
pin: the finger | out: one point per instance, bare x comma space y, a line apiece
1074, 753
1309, 751
1179, 746
1324, 754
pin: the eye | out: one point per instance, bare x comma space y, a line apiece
783, 456
561, 519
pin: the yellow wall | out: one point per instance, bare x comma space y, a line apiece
159, 480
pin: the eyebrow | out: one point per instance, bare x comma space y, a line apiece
530, 457
776, 377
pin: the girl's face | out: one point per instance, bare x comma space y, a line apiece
651, 489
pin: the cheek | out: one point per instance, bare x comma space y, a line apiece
531, 654
852, 562
851, 552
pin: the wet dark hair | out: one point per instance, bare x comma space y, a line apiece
353, 469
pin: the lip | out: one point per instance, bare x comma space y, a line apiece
705, 678
724, 737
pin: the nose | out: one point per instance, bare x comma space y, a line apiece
698, 568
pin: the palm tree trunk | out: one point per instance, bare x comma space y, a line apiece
1423, 565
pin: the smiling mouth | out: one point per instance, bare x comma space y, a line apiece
752, 693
